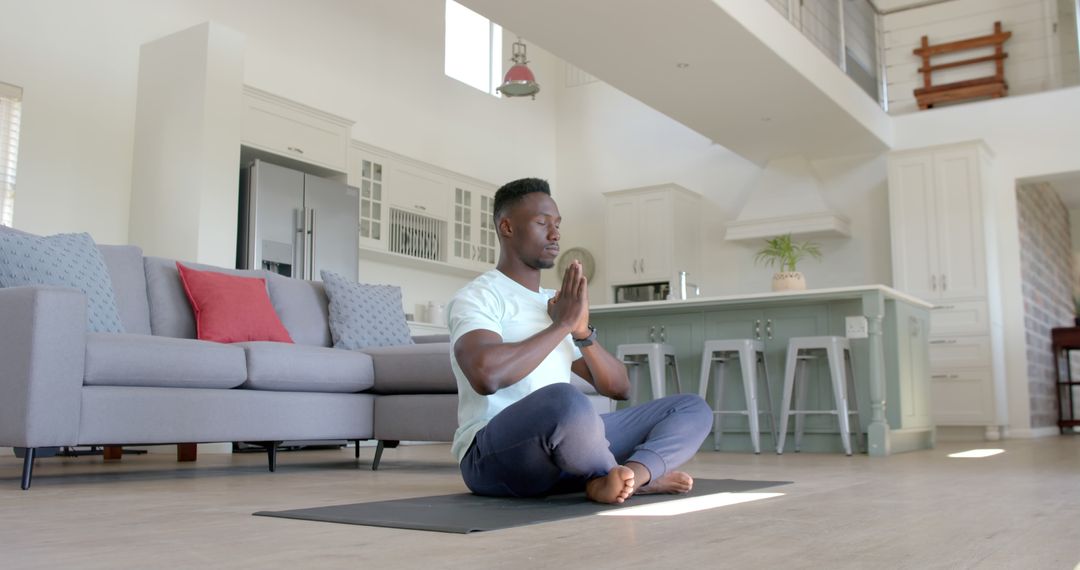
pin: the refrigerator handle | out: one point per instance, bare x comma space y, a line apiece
311, 232
300, 249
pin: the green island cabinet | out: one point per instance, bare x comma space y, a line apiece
891, 365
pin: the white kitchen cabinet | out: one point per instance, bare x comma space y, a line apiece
935, 198
294, 130
473, 237
652, 234
368, 172
938, 206
417, 214
962, 396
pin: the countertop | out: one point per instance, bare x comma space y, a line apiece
827, 294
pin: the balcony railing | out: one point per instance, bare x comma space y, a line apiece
857, 38
847, 31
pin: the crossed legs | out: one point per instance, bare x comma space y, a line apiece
554, 441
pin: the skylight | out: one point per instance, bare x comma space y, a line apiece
473, 48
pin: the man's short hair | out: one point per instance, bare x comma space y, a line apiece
512, 193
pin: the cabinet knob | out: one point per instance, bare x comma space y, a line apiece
944, 284
643, 265
663, 334
768, 329
933, 282
297, 150
757, 329
652, 334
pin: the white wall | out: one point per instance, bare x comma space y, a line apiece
610, 141
1074, 233
378, 63
187, 127
1032, 64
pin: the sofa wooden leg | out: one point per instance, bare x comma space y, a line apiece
187, 451
112, 452
28, 466
356, 447
271, 454
383, 444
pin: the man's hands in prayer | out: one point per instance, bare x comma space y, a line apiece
570, 305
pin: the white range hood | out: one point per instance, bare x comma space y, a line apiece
787, 199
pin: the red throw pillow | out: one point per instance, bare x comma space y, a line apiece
230, 308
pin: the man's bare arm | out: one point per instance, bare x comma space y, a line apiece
491, 364
603, 371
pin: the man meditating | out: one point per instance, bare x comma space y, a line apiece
523, 429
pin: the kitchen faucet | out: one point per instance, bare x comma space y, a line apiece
683, 284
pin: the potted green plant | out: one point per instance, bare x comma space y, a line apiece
782, 251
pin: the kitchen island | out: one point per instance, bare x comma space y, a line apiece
892, 370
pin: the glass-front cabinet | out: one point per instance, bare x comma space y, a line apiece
474, 238
420, 215
371, 202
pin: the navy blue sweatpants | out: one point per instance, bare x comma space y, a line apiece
553, 441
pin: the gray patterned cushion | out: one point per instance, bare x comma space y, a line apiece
65, 260
364, 315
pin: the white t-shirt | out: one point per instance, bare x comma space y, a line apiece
499, 304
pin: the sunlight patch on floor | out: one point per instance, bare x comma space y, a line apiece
976, 453
688, 505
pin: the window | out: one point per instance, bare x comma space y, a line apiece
10, 111
473, 48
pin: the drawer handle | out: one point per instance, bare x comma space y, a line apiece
296, 150
945, 376
940, 376
948, 341
944, 307
419, 207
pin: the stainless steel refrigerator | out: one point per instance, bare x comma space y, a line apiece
296, 224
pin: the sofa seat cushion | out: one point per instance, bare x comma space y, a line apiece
161, 362
298, 368
413, 369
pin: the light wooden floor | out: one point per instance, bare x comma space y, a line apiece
1020, 509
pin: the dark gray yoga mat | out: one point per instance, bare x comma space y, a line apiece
464, 513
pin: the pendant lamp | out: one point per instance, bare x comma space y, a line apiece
519, 80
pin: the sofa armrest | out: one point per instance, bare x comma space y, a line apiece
430, 338
413, 369
42, 356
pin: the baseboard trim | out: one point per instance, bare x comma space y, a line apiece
1032, 433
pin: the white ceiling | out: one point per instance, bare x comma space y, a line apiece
736, 90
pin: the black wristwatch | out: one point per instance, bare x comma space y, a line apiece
587, 341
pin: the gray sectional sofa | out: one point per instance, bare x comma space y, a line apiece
156, 384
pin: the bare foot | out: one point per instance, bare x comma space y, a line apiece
615, 487
672, 482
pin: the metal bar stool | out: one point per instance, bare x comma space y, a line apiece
838, 352
751, 356
654, 354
